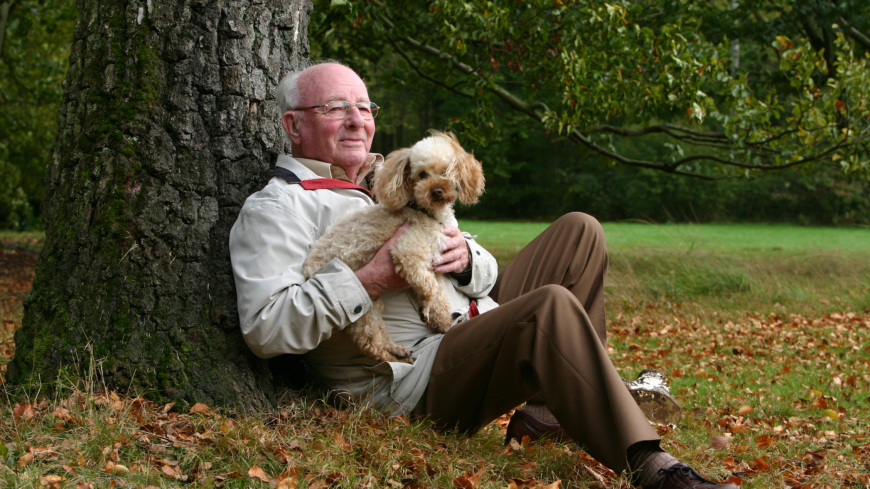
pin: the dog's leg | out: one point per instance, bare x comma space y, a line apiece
370, 333
435, 307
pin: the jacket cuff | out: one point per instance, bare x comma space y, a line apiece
483, 271
343, 287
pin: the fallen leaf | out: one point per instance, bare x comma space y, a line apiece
466, 481
115, 469
84, 485
257, 473
288, 483
199, 408
764, 441
23, 411
745, 410
25, 460
52, 481
719, 441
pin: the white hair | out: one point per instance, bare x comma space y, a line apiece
288, 93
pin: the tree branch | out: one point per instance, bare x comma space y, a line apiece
855, 34
5, 9
420, 72
538, 111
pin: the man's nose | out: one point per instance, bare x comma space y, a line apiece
354, 117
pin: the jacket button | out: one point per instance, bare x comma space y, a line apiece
478, 252
357, 309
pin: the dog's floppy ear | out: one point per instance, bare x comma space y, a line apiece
470, 173
391, 178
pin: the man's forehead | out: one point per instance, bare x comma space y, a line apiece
335, 82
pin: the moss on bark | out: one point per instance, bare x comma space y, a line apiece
163, 131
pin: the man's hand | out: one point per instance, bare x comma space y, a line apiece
454, 253
379, 275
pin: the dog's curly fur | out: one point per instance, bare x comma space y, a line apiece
419, 184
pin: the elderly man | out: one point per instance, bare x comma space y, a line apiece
544, 343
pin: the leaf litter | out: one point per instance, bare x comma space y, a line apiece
770, 400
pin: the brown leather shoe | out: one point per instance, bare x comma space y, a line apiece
524, 424
681, 476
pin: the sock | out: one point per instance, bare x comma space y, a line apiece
645, 460
541, 412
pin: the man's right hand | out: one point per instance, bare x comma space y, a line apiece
379, 275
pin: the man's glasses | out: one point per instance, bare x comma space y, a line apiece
339, 109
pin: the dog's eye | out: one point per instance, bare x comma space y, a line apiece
423, 175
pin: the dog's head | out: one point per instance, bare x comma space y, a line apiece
433, 173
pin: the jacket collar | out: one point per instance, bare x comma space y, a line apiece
320, 169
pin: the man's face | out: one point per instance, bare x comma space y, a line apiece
343, 142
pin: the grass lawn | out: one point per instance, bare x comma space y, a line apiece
729, 268
763, 331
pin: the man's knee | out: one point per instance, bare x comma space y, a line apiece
581, 221
555, 295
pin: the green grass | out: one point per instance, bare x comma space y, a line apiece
688, 237
728, 268
22, 239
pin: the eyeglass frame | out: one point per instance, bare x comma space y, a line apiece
373, 109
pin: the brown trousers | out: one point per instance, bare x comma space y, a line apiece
547, 340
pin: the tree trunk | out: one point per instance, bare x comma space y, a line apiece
167, 124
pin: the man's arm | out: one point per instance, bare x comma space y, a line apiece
280, 311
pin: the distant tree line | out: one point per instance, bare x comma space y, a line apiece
613, 139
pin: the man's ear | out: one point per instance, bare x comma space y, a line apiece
290, 121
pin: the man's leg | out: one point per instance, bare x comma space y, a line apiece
543, 342
572, 253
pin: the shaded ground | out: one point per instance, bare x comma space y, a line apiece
17, 267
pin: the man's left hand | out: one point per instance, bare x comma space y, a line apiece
454, 253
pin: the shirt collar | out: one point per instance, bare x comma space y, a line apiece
328, 170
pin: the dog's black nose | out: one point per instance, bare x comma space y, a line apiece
437, 194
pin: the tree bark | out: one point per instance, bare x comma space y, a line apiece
167, 124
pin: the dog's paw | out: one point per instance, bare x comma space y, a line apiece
401, 352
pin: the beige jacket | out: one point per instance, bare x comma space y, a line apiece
281, 312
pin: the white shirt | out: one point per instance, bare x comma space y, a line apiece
282, 312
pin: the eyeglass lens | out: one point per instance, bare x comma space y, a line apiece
339, 109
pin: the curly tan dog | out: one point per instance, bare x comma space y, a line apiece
417, 184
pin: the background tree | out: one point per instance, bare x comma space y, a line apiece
534, 173
167, 124
592, 72
33, 61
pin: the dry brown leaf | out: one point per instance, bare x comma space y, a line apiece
199, 408
466, 481
288, 483
23, 412
745, 410
52, 481
25, 460
115, 469
258, 473
86, 485
719, 441
168, 407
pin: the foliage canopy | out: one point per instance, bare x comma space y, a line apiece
591, 71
